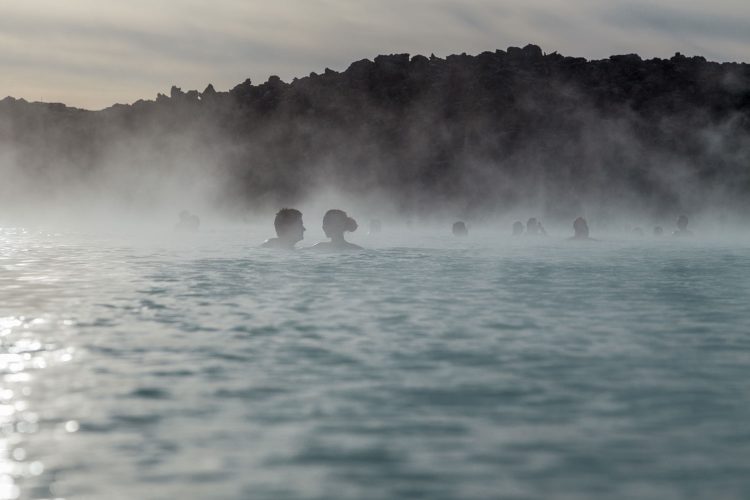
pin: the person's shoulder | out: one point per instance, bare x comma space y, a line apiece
576, 238
327, 246
271, 243
323, 245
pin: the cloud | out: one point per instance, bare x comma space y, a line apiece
91, 53
682, 22
718, 31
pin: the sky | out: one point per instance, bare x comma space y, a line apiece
94, 53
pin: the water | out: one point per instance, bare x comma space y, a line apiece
477, 369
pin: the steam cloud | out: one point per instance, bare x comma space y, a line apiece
476, 135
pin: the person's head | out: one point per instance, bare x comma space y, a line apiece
288, 224
459, 229
682, 222
581, 228
517, 228
658, 231
336, 222
532, 225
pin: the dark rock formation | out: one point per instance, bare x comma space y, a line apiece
481, 132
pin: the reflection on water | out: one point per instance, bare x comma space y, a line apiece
201, 368
32, 340
23, 354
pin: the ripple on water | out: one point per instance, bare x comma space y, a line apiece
217, 371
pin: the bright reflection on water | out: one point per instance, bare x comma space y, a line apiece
203, 368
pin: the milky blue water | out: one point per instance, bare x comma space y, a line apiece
201, 367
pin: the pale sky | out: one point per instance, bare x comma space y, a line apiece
94, 53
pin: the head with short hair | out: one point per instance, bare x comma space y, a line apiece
682, 222
335, 222
288, 224
459, 229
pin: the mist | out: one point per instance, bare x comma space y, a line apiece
481, 138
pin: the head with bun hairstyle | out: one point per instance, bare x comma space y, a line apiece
336, 222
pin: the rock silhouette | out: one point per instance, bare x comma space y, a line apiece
482, 133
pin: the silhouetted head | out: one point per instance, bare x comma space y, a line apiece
459, 229
288, 225
532, 226
658, 231
682, 222
188, 221
335, 222
580, 228
517, 228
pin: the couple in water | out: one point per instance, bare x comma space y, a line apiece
290, 230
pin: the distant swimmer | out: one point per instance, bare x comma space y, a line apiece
580, 230
289, 230
459, 229
535, 228
517, 228
188, 222
658, 231
682, 230
638, 231
335, 223
375, 226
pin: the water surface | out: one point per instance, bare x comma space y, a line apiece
200, 367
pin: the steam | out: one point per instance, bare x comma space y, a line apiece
496, 137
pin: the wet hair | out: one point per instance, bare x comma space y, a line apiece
285, 218
337, 220
581, 227
459, 229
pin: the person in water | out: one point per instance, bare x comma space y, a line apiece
289, 230
580, 230
188, 222
658, 231
335, 224
535, 228
517, 228
682, 230
459, 229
